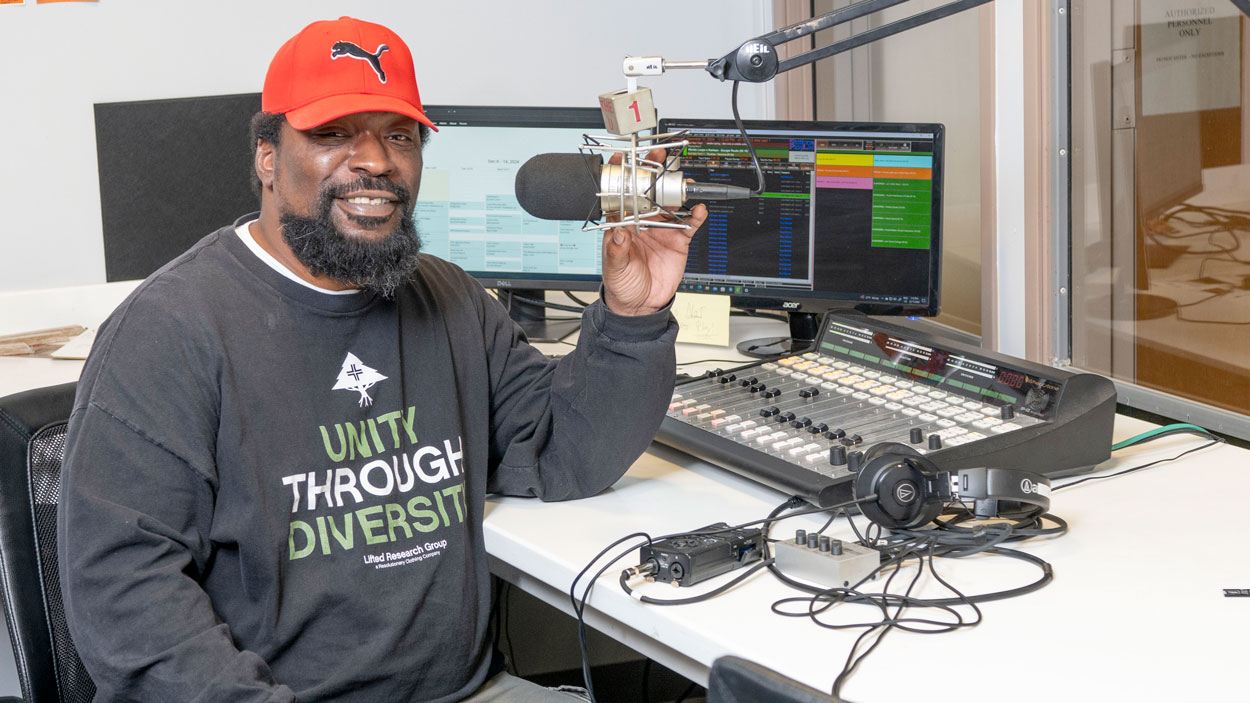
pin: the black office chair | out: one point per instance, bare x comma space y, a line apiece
32, 444
735, 680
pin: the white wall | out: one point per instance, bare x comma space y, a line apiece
60, 59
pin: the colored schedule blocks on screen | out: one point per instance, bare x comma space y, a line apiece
901, 186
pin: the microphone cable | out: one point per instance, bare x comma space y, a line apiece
755, 159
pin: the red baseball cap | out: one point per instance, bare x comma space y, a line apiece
339, 67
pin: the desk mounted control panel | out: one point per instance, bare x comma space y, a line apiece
801, 424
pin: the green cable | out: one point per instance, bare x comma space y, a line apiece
1158, 431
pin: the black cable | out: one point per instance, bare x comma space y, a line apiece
747, 312
507, 627
709, 361
852, 661
896, 621
1217, 440
755, 159
773, 517
971, 603
1024, 528
575, 299
824, 600
581, 609
829, 522
855, 528
625, 576
554, 306
1047, 576
751, 349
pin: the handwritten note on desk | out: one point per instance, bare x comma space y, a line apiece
703, 319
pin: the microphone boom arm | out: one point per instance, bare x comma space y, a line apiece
755, 60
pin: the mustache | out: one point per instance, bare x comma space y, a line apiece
337, 190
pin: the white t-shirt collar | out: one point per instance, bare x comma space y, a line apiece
246, 235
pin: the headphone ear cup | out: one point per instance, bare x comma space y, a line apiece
901, 483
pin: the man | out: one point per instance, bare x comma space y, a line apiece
277, 463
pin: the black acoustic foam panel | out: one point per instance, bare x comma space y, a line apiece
171, 171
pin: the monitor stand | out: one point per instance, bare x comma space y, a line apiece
533, 318
804, 326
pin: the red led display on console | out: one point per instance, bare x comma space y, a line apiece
1011, 378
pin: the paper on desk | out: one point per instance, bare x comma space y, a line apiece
76, 348
703, 319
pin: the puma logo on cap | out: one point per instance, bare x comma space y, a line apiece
346, 48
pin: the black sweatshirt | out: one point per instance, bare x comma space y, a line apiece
275, 494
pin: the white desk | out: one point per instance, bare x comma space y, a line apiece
1136, 610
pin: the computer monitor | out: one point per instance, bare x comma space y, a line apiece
467, 210
850, 217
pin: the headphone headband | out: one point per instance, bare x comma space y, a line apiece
988, 486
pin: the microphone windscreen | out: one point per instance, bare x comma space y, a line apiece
560, 186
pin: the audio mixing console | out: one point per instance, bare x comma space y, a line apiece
803, 423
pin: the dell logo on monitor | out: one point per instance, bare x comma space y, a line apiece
503, 284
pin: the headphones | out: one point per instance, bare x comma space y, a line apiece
912, 491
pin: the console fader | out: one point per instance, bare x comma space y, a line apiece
802, 424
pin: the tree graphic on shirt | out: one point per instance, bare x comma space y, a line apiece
355, 376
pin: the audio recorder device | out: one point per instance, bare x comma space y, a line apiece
700, 555
802, 424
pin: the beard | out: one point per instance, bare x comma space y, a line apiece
380, 266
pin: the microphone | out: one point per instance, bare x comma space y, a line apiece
581, 186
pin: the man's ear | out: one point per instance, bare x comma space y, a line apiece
265, 155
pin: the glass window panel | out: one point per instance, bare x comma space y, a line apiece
1161, 196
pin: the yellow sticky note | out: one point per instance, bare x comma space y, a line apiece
703, 319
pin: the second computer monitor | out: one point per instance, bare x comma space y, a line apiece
467, 211
850, 215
